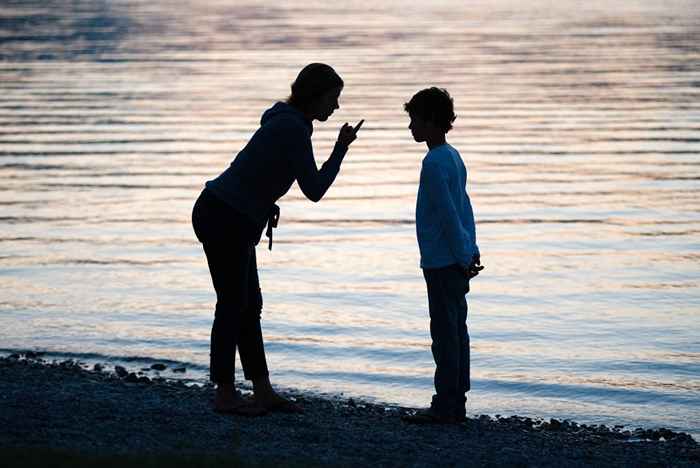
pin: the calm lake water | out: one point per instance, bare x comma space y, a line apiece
579, 122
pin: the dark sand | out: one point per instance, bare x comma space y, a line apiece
67, 407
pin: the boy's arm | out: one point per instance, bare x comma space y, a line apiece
435, 181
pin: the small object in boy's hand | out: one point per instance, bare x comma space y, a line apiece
475, 269
472, 270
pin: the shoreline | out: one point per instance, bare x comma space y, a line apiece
63, 406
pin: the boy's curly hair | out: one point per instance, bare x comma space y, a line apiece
434, 105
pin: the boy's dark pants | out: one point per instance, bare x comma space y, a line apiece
229, 245
448, 329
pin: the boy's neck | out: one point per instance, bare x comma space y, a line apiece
435, 140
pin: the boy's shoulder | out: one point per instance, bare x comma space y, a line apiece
440, 155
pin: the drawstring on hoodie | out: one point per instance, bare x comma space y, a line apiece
272, 221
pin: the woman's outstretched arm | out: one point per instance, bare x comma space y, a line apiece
314, 182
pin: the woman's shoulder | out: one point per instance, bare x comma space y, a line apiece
283, 117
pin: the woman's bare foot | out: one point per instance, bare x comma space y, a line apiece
275, 402
229, 400
267, 398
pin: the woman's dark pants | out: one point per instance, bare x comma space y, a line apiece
229, 245
448, 329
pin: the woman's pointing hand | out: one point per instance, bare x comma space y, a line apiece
348, 133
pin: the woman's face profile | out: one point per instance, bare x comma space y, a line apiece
327, 103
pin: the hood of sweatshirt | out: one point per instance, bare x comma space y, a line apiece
283, 110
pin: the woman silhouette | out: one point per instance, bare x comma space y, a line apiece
231, 213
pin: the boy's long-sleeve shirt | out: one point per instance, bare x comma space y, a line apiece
444, 217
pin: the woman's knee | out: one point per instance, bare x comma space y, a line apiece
252, 314
230, 312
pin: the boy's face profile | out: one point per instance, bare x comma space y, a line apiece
418, 127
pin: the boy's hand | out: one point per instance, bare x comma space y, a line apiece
348, 133
473, 270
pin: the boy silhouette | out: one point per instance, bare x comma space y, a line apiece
449, 255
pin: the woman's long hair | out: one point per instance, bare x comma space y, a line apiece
313, 81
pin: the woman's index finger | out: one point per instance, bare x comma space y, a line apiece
359, 124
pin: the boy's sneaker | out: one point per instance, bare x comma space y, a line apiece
430, 416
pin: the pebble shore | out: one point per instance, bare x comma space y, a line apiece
103, 410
